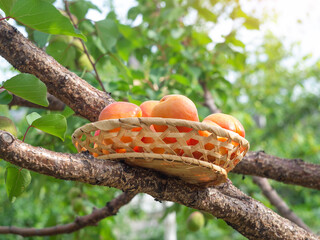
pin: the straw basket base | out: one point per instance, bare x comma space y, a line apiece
188, 169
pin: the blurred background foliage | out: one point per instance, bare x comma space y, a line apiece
166, 47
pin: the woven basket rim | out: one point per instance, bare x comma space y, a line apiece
136, 121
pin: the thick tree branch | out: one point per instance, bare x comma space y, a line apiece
246, 215
84, 99
277, 201
97, 215
291, 171
54, 103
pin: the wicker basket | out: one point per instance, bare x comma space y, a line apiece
197, 159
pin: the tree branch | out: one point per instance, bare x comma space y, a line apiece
263, 183
291, 171
83, 98
54, 103
97, 215
208, 99
246, 215
277, 201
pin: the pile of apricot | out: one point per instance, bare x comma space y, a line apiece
170, 106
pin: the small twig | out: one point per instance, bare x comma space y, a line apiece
92, 219
208, 99
84, 46
277, 201
101, 56
25, 134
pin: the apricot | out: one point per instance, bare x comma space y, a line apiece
227, 122
147, 106
175, 106
120, 110
178, 107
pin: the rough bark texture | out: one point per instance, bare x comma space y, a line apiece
110, 209
246, 215
84, 99
292, 171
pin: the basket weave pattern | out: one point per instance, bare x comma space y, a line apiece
173, 150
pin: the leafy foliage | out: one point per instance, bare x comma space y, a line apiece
28, 87
39, 15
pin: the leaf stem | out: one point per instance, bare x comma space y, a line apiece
84, 47
7, 17
24, 136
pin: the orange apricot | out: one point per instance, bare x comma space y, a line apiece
178, 107
227, 122
147, 106
120, 110
175, 106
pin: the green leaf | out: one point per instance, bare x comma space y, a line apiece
107, 32
17, 180
5, 97
207, 14
67, 112
124, 48
6, 124
32, 117
63, 52
54, 124
80, 8
181, 79
201, 38
39, 15
252, 23
28, 87
133, 13
125, 72
41, 38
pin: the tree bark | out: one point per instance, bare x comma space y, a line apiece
291, 171
278, 202
246, 215
22, 54
54, 103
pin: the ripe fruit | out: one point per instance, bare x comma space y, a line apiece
6, 124
119, 110
175, 106
147, 106
195, 221
227, 122
178, 107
